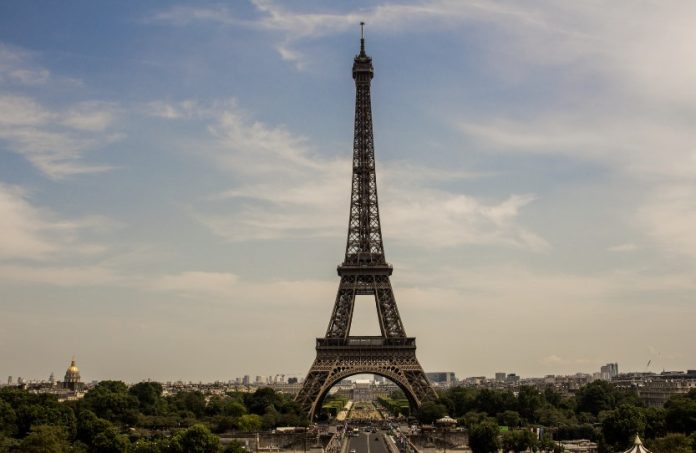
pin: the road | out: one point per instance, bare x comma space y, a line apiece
368, 443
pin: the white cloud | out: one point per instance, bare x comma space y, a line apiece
669, 217
197, 283
56, 141
88, 116
634, 43
23, 227
227, 287
34, 233
16, 67
287, 190
61, 276
626, 247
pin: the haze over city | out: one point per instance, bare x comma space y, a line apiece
175, 179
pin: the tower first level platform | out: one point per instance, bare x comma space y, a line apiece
340, 358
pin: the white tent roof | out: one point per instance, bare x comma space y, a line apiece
637, 447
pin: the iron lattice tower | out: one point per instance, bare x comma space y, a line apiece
364, 271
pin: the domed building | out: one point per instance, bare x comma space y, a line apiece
72, 377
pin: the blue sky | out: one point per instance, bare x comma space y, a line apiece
174, 183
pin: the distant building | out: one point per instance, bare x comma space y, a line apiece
72, 379
292, 380
259, 380
512, 378
442, 377
579, 446
609, 371
500, 377
657, 392
9, 380
246, 379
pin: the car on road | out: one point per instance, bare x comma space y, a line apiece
352, 450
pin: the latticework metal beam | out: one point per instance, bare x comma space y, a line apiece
364, 271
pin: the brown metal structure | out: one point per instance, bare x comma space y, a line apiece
364, 271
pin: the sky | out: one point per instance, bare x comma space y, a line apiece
175, 181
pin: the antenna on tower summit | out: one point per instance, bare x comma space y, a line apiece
362, 37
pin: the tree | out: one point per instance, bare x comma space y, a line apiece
249, 423
553, 396
45, 439
595, 397
655, 422
528, 402
509, 418
193, 402
149, 396
472, 418
431, 411
551, 416
235, 447
89, 426
681, 413
44, 412
519, 440
110, 441
150, 446
8, 419
547, 444
492, 402
622, 424
111, 400
196, 439
483, 437
258, 401
671, 443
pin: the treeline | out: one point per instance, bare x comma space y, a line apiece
598, 411
332, 405
115, 418
396, 404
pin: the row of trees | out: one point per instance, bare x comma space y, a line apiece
115, 418
598, 411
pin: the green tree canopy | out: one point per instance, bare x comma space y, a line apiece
483, 437
45, 439
431, 411
621, 425
196, 439
249, 423
111, 400
681, 413
519, 440
149, 396
671, 443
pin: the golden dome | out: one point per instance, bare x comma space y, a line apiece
73, 372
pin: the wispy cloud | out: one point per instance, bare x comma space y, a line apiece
17, 67
626, 247
37, 234
55, 142
196, 284
286, 189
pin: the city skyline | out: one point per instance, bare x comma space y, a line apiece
174, 184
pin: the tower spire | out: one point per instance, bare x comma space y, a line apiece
362, 38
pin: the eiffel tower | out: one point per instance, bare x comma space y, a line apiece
364, 271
